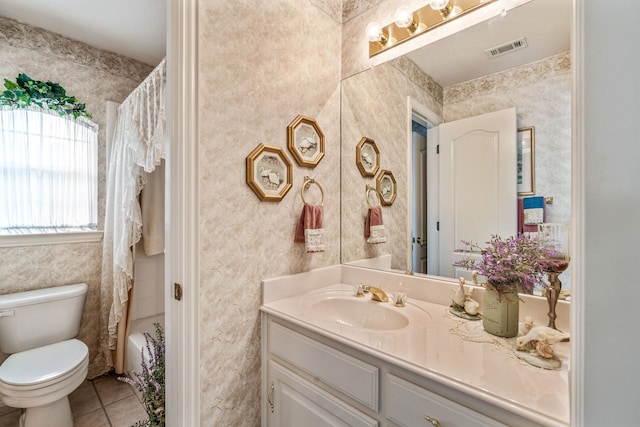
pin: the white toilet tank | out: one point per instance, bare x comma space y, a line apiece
40, 317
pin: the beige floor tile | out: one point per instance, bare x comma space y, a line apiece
95, 418
125, 412
83, 400
111, 390
4, 409
11, 419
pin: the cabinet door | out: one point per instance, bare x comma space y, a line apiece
410, 405
294, 401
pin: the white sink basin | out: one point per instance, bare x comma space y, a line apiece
360, 313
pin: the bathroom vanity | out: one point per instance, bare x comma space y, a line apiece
330, 358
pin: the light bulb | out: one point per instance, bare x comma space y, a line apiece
404, 17
438, 4
374, 33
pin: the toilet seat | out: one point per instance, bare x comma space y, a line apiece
43, 366
43, 375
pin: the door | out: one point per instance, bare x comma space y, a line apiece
478, 192
419, 199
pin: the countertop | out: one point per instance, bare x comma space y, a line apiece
452, 351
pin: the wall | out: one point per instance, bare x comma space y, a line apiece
148, 293
541, 92
252, 83
94, 77
374, 105
608, 197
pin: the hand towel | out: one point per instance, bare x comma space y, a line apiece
310, 229
533, 208
531, 212
374, 226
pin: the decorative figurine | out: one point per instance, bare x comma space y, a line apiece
463, 305
536, 345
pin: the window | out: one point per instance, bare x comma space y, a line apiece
48, 172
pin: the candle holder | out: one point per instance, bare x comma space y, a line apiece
555, 236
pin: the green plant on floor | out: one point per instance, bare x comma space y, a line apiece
25, 92
151, 381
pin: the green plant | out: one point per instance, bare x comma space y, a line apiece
510, 263
151, 381
25, 91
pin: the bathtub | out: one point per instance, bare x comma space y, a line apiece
136, 341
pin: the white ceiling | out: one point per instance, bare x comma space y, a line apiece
546, 25
133, 28
137, 29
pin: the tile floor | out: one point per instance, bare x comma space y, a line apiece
101, 402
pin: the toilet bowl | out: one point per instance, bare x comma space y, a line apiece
40, 374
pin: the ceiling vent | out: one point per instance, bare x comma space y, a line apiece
506, 48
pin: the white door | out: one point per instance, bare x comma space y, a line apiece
478, 191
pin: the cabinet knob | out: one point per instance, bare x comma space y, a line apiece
432, 421
270, 397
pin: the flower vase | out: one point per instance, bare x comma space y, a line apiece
500, 313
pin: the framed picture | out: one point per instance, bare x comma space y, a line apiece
269, 173
386, 187
305, 141
526, 161
367, 157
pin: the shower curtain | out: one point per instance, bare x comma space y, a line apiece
138, 146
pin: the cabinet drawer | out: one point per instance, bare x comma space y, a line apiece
407, 405
350, 376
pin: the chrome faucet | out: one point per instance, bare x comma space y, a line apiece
377, 294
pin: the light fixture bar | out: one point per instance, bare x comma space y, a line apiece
424, 19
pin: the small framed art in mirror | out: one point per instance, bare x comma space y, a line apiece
386, 187
367, 157
526, 161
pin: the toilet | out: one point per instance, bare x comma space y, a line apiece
46, 362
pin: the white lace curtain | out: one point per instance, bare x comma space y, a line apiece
48, 171
137, 147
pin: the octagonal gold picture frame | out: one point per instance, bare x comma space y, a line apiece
269, 173
305, 141
367, 157
386, 187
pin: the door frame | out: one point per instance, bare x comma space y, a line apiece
415, 108
182, 221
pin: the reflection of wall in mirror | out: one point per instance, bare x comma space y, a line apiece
541, 93
374, 104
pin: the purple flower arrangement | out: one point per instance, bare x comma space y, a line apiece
151, 381
510, 264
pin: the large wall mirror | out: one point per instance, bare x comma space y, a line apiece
519, 61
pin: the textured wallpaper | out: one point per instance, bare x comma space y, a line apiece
251, 88
94, 76
374, 105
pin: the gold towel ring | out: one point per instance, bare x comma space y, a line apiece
307, 183
368, 190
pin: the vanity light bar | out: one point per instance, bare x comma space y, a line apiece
424, 19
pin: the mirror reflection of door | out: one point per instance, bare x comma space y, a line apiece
419, 228
477, 183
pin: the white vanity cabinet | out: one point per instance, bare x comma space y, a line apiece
408, 405
310, 380
294, 401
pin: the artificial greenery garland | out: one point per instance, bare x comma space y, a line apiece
26, 91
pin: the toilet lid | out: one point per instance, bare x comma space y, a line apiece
43, 364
